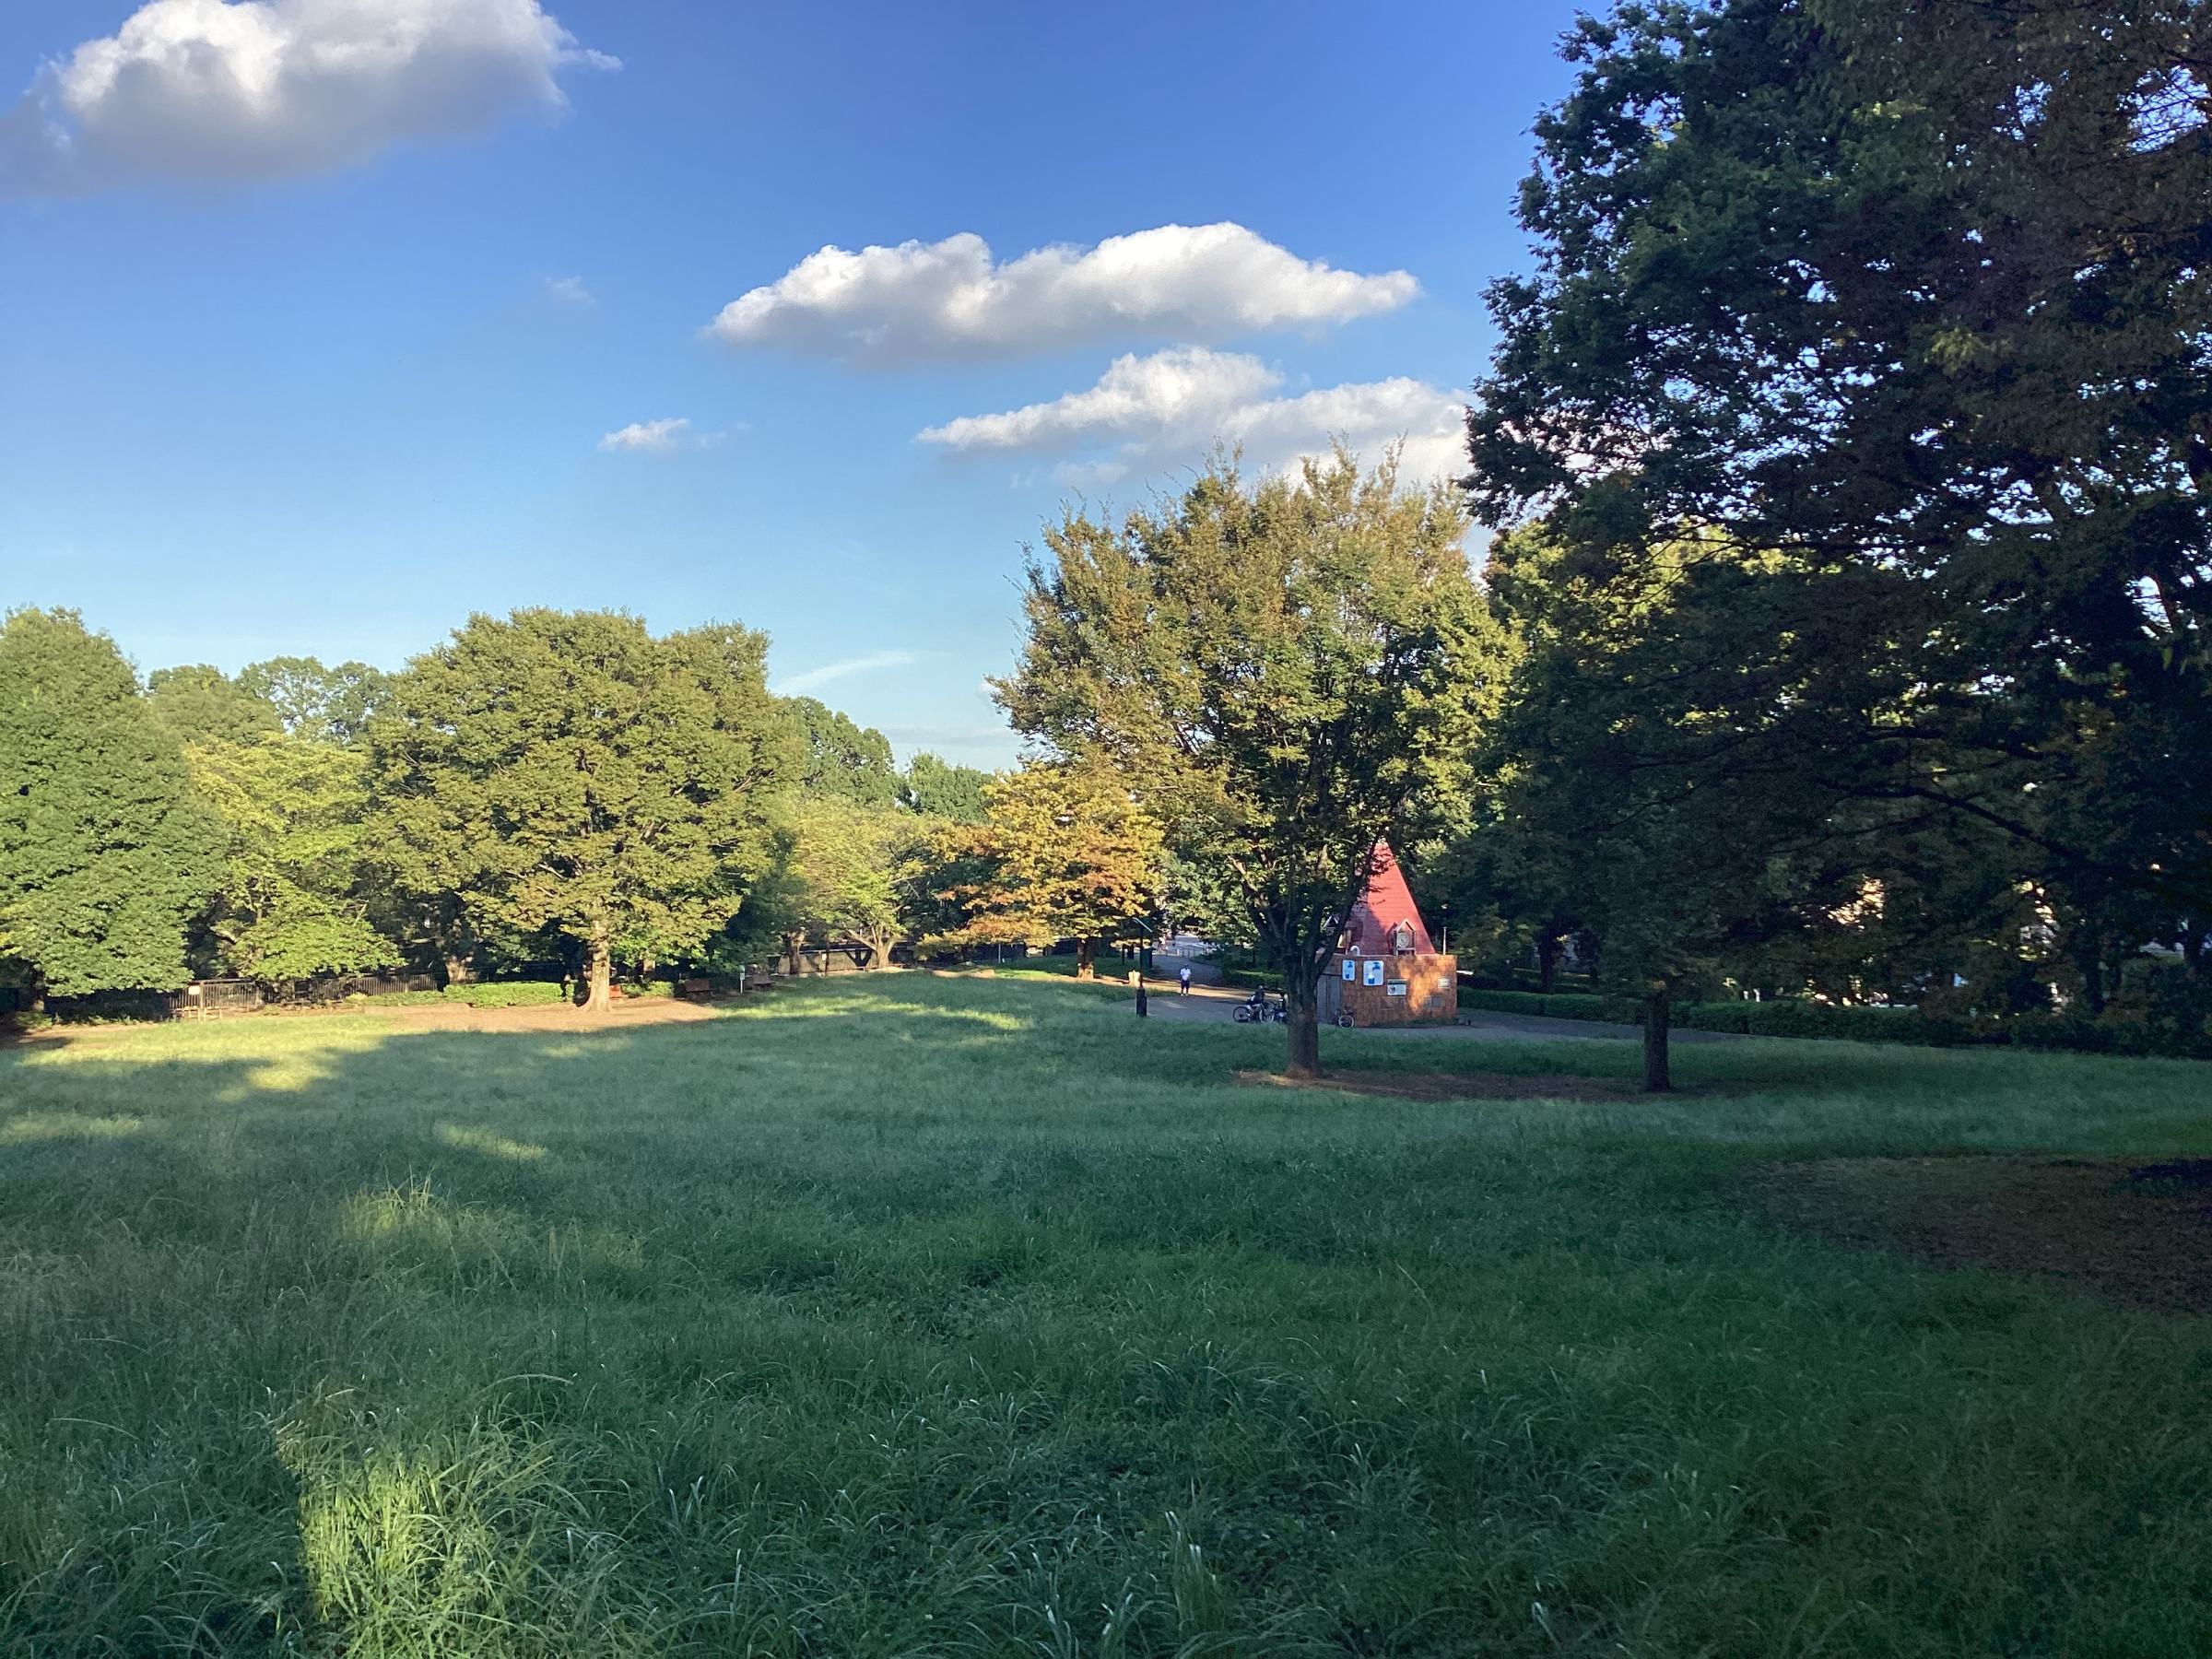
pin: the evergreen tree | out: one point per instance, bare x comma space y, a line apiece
843, 760
570, 771
105, 853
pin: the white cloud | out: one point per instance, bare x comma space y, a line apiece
569, 291
946, 302
661, 437
800, 683
220, 90
1170, 407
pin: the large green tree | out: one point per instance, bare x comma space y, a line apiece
570, 772
1916, 297
324, 705
850, 862
938, 788
105, 853
842, 759
1287, 672
1650, 780
199, 702
290, 904
1064, 852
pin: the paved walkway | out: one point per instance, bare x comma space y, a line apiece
1218, 1004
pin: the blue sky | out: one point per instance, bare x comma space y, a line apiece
324, 323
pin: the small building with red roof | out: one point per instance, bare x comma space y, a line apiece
1386, 970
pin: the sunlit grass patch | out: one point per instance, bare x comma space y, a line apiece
448, 1548
475, 1138
66, 1125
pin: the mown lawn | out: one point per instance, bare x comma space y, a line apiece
904, 1315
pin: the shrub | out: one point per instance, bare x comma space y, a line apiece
1557, 1006
522, 994
1253, 978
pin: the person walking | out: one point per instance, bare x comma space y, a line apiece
1182, 980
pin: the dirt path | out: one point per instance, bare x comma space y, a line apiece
626, 1015
2136, 1232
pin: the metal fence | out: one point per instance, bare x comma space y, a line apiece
212, 999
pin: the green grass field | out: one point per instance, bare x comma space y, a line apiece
911, 1315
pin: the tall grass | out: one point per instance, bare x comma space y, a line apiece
915, 1316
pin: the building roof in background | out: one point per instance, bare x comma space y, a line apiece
1387, 902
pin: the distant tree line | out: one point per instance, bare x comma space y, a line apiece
545, 792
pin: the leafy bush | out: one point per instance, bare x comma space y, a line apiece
1253, 978
1782, 1017
110, 1007
1559, 1006
520, 994
525, 993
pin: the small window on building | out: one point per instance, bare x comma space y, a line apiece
1401, 938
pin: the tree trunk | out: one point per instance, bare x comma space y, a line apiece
790, 954
1303, 1028
1658, 1013
1086, 959
603, 975
2090, 960
1547, 960
457, 970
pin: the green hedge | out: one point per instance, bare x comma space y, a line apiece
517, 994
521, 993
1557, 1006
1786, 1017
1253, 978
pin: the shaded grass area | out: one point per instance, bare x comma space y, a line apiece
914, 1315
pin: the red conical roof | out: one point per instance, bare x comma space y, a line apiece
1386, 903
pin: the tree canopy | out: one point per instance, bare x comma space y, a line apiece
288, 907
937, 788
1065, 852
105, 853
570, 771
842, 759
199, 702
322, 705
1915, 298
1287, 673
